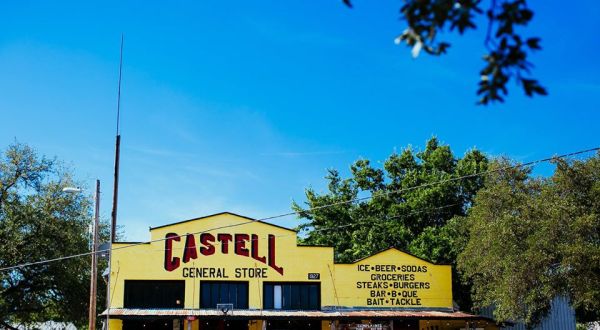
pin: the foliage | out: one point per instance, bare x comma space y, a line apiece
38, 221
507, 48
398, 215
533, 239
577, 185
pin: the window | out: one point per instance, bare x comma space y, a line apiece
221, 292
147, 324
154, 294
292, 296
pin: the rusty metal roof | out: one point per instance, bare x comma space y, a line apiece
276, 314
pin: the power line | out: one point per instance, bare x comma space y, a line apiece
500, 169
322, 229
216, 243
354, 200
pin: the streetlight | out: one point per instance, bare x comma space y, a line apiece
72, 189
94, 275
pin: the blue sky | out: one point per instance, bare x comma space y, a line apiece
239, 106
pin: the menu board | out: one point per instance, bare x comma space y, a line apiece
393, 284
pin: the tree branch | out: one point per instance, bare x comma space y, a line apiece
488, 35
8, 326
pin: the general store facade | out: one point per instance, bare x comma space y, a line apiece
227, 271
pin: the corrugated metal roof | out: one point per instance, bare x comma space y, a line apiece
560, 317
271, 314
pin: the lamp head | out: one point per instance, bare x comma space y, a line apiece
72, 189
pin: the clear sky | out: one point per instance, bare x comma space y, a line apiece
240, 105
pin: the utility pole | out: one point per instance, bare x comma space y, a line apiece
94, 272
113, 226
113, 223
94, 248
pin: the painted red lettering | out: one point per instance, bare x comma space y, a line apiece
272, 262
246, 245
224, 239
171, 263
206, 240
190, 248
254, 249
240, 244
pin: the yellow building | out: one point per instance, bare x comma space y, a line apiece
227, 271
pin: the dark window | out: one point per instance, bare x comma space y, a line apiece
163, 324
154, 294
292, 296
227, 324
217, 292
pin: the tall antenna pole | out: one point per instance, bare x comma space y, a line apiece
117, 153
113, 225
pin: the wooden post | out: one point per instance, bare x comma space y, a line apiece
94, 270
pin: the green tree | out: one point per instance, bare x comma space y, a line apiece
38, 221
398, 214
577, 185
507, 47
532, 239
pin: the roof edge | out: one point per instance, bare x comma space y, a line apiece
223, 213
391, 248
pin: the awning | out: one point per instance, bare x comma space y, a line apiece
128, 313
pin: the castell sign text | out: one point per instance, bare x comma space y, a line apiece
243, 245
